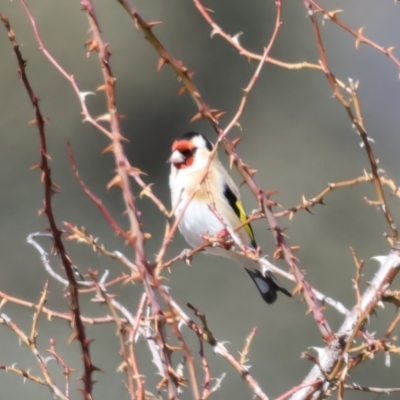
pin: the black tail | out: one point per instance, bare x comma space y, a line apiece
266, 285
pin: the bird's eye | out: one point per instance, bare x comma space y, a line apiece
189, 152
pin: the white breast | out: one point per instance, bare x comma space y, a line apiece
198, 220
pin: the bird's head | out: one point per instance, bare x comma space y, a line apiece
190, 150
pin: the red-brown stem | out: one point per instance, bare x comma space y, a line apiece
49, 190
355, 118
358, 35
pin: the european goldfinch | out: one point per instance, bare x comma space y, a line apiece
213, 208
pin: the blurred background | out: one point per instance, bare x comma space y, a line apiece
295, 134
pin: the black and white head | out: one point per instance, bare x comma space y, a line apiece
190, 150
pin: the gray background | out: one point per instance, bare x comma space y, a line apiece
295, 134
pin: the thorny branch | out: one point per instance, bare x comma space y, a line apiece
234, 41
49, 189
357, 34
5, 320
353, 110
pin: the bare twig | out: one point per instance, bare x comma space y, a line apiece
355, 116
38, 312
246, 348
23, 373
66, 369
357, 34
356, 386
4, 319
306, 204
205, 334
67, 316
233, 41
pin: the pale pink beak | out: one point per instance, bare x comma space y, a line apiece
176, 158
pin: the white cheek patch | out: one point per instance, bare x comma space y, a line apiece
199, 142
262, 285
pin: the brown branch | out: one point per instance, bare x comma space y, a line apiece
97, 201
298, 387
306, 204
38, 312
140, 391
80, 235
255, 76
286, 252
122, 333
166, 58
207, 372
24, 374
205, 334
393, 325
136, 236
49, 189
246, 348
233, 41
356, 281
208, 337
97, 44
355, 118
146, 191
66, 369
56, 314
4, 319
357, 34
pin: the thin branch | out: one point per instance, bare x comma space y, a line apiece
38, 312
298, 387
234, 41
67, 316
136, 236
355, 118
357, 34
254, 78
25, 374
306, 204
66, 369
246, 348
206, 335
4, 319
96, 200
140, 391
49, 189
356, 386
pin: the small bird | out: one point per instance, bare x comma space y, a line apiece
215, 208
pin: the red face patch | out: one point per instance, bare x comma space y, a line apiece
187, 149
182, 145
